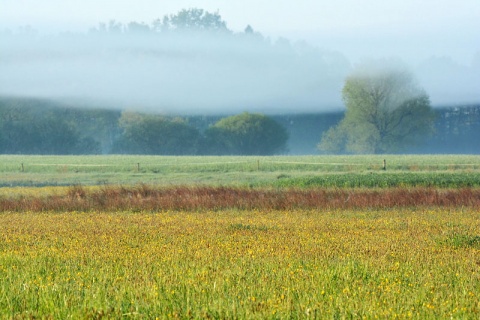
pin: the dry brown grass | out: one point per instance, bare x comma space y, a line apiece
145, 197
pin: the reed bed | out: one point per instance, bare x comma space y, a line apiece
150, 198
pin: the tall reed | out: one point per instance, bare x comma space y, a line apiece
143, 197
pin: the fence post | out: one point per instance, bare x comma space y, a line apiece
23, 169
384, 164
138, 166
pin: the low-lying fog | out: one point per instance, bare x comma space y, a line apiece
199, 72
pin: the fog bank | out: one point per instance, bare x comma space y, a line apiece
180, 72
199, 72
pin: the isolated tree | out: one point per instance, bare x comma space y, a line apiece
386, 111
247, 134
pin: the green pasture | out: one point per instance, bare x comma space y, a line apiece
275, 171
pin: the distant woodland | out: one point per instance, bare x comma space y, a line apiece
37, 126
179, 86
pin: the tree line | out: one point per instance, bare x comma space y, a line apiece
30, 126
34, 126
242, 134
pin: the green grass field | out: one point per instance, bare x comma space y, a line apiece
278, 171
127, 250
420, 264
230, 264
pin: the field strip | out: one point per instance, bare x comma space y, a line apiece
239, 162
198, 163
318, 163
69, 165
133, 164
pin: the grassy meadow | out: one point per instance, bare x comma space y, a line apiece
277, 171
240, 237
399, 263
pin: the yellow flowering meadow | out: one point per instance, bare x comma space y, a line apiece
397, 263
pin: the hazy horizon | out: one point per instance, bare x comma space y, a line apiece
307, 51
404, 28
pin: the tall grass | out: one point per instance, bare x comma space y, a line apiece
256, 264
143, 197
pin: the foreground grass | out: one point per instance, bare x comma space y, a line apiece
396, 263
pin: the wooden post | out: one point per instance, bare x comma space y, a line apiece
23, 169
384, 164
138, 166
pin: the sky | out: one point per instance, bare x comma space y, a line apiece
439, 40
411, 29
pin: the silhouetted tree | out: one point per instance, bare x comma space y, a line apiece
138, 28
194, 20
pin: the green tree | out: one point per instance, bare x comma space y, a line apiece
386, 111
152, 134
93, 125
32, 126
193, 20
246, 134
46, 136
